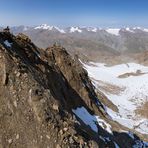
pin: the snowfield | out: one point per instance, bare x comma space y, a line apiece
135, 91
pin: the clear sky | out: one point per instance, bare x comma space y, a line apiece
101, 13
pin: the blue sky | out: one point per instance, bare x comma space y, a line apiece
101, 13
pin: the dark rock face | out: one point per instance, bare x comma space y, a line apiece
38, 90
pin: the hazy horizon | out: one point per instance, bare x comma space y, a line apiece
64, 27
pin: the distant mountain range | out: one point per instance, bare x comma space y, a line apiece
113, 31
89, 42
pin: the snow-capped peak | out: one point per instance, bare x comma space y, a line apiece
44, 26
142, 29
129, 29
75, 29
114, 31
133, 30
47, 27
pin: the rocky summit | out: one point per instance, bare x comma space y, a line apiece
48, 101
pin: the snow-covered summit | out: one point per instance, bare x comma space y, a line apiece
116, 31
47, 27
44, 26
134, 29
140, 28
75, 29
129, 29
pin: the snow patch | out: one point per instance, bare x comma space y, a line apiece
91, 120
116, 145
86, 117
104, 124
7, 43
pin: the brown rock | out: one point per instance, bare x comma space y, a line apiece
58, 146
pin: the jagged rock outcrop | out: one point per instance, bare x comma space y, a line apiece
40, 92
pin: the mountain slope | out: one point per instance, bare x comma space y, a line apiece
47, 100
